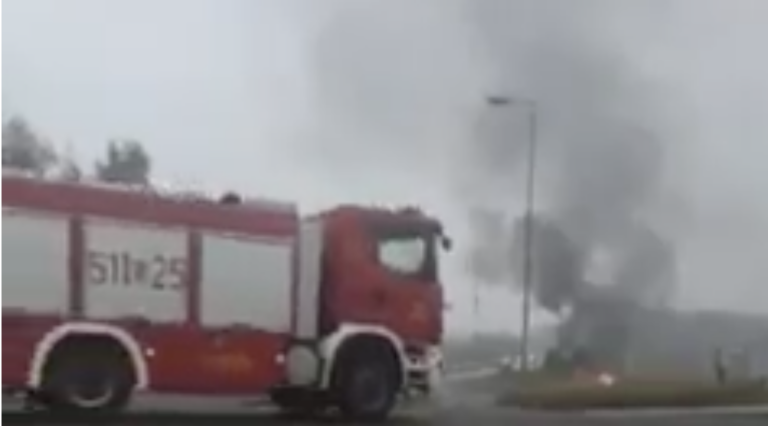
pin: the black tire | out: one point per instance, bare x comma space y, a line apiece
88, 378
366, 383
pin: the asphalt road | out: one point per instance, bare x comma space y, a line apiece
461, 403
446, 418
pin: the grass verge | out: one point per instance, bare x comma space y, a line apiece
635, 394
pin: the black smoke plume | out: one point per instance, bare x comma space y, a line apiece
602, 160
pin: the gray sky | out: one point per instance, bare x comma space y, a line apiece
262, 95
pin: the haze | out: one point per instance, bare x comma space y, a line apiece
381, 101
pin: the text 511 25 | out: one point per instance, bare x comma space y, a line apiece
158, 271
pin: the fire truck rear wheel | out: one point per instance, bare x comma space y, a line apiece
90, 376
366, 383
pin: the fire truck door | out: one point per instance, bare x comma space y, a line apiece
403, 293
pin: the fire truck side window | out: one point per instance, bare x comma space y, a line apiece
405, 256
406, 252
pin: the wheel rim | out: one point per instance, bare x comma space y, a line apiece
90, 390
370, 388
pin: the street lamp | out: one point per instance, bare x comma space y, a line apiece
530, 191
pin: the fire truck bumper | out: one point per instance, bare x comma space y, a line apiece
424, 372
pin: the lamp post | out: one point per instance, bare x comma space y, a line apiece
530, 197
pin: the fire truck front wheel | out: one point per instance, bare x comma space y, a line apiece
88, 375
366, 380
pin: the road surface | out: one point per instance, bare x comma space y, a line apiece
466, 401
446, 416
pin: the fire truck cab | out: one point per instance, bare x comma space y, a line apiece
109, 290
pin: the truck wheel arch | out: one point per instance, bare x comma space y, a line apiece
44, 348
347, 334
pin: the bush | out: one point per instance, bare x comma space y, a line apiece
636, 394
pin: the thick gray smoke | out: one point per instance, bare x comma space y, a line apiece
602, 152
598, 252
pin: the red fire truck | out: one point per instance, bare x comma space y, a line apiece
109, 290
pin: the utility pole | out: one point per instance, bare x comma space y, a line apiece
530, 198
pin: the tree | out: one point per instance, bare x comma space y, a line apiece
24, 149
126, 162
